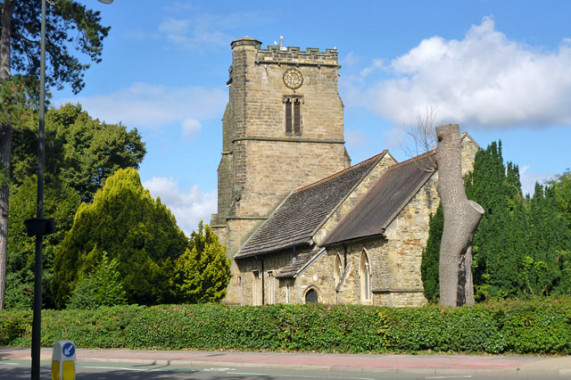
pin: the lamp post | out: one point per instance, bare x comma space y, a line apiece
40, 226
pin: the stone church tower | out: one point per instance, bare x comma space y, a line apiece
282, 129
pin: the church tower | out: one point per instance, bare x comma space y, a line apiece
282, 129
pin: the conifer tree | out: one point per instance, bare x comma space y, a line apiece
549, 240
140, 233
103, 287
202, 273
498, 243
431, 256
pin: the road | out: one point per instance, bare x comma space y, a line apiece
20, 370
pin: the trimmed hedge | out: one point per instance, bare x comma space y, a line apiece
538, 327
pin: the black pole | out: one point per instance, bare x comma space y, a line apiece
37, 318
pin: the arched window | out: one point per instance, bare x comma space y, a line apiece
366, 277
338, 270
311, 296
293, 114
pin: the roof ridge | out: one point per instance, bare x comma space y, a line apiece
335, 175
415, 158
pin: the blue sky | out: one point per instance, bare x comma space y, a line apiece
501, 69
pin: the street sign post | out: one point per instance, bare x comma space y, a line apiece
63, 361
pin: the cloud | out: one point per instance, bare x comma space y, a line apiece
191, 128
148, 106
189, 206
484, 80
192, 30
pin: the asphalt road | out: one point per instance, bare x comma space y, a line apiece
20, 370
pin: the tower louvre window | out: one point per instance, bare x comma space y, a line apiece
293, 114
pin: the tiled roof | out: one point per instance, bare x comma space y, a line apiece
298, 217
372, 215
302, 259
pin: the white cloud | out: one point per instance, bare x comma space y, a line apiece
189, 206
144, 105
191, 128
192, 30
484, 80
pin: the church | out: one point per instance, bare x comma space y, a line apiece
299, 222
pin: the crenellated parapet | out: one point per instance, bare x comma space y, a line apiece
291, 55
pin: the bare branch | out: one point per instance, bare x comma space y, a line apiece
424, 136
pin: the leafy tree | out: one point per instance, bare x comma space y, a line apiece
562, 186
429, 267
202, 273
74, 171
83, 151
103, 287
140, 233
61, 202
69, 24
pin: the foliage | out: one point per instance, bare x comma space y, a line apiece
562, 186
202, 273
81, 151
522, 247
18, 293
541, 326
103, 287
74, 171
60, 202
134, 229
429, 268
18, 98
68, 24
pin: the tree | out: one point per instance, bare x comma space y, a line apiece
431, 257
521, 246
134, 229
75, 169
549, 244
202, 273
67, 22
461, 218
498, 250
562, 186
61, 202
103, 287
83, 151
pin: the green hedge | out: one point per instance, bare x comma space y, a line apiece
538, 327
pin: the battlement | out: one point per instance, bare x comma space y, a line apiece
275, 54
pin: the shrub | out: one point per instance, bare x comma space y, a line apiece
541, 326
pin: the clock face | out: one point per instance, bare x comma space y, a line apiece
293, 78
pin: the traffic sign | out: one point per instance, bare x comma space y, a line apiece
63, 361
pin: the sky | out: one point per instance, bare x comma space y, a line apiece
500, 69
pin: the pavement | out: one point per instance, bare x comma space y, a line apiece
316, 362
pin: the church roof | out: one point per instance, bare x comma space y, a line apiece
373, 214
301, 214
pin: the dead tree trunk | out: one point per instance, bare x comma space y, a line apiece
461, 218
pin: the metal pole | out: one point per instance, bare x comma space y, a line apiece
37, 318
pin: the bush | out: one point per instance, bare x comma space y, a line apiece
541, 326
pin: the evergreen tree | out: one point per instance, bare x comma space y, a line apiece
429, 270
498, 243
75, 169
140, 233
549, 241
103, 287
202, 273
562, 186
72, 30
